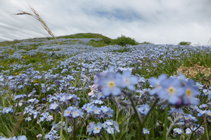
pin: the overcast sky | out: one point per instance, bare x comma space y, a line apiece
156, 21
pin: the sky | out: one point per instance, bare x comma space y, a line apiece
155, 21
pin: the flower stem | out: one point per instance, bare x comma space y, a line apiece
205, 125
153, 106
74, 130
61, 129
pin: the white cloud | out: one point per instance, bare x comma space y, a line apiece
156, 21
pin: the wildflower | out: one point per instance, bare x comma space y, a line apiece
69, 129
189, 117
39, 136
62, 98
109, 122
96, 110
42, 119
110, 113
54, 107
157, 123
97, 102
89, 108
67, 113
101, 115
116, 126
201, 113
110, 84
75, 113
90, 127
156, 83
145, 131
110, 130
105, 109
178, 131
91, 93
49, 118
208, 113
28, 119
21, 137
100, 95
171, 90
97, 128
81, 113
190, 92
128, 80
7, 110
143, 109
188, 131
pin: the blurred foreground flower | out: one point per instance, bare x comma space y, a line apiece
111, 83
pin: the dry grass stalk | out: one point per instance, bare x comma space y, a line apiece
37, 16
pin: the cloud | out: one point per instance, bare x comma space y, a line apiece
156, 21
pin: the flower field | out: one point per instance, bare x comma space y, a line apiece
70, 89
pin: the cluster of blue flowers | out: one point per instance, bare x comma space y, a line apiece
177, 91
23, 137
110, 126
111, 83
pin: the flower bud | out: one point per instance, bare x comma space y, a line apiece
170, 119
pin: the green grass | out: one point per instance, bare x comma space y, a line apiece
83, 35
184, 43
8, 43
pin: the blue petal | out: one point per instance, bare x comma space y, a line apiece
126, 74
166, 83
153, 91
153, 81
131, 87
162, 77
116, 91
173, 99
176, 82
106, 91
180, 91
134, 80
162, 94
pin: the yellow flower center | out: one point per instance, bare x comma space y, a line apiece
171, 90
97, 128
188, 92
68, 112
209, 113
111, 84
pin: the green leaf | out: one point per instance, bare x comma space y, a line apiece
123, 136
120, 119
129, 136
166, 123
169, 138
